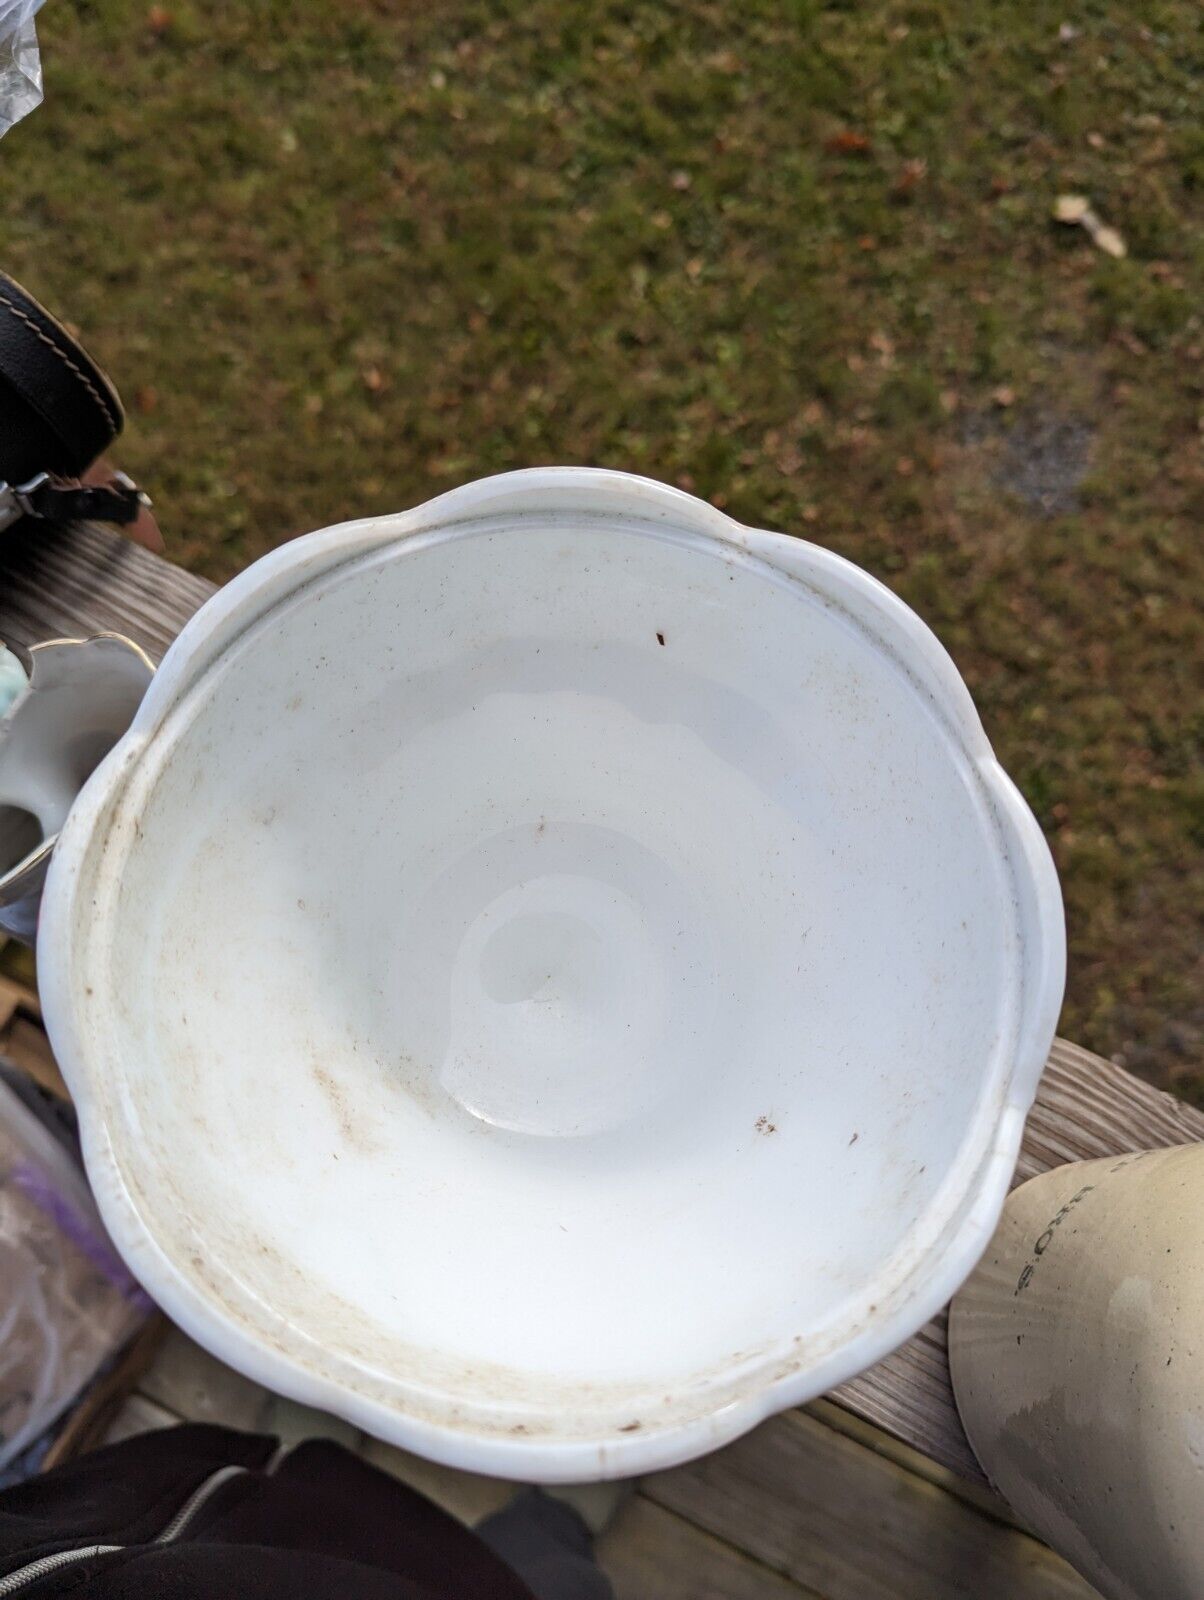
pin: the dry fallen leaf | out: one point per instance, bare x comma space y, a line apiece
1130, 342
848, 142
910, 174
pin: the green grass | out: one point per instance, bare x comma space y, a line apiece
339, 257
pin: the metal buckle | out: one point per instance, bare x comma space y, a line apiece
9, 509
23, 493
126, 482
15, 498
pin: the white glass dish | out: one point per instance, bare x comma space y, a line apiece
553, 976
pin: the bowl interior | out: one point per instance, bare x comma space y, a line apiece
580, 956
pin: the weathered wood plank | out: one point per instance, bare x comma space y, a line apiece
650, 1554
835, 1517
197, 1387
138, 1415
973, 1493
88, 578
1086, 1107
65, 582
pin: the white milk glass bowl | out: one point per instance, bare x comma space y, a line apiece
553, 976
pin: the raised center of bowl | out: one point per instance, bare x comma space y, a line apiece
541, 997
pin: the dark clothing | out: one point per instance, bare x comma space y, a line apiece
204, 1513
550, 1545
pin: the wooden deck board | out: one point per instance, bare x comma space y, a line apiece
60, 584
839, 1519
88, 578
650, 1554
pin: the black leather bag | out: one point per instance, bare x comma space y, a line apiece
58, 413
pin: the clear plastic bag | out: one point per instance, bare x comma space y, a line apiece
67, 1301
20, 63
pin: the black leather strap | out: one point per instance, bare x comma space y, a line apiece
115, 501
58, 410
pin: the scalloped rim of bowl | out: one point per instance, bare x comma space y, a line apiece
935, 1266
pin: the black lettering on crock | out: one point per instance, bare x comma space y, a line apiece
1045, 1239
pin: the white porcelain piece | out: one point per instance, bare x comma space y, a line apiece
78, 698
1077, 1353
553, 976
